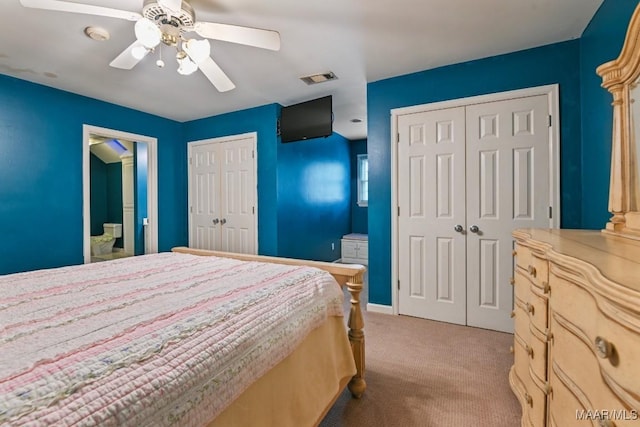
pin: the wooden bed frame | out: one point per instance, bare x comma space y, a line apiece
349, 275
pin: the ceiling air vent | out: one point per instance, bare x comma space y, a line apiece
319, 78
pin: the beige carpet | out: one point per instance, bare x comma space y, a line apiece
426, 373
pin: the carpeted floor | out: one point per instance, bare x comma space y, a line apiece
426, 373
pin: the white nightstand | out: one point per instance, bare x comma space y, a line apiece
355, 249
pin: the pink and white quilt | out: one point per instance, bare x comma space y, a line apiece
157, 340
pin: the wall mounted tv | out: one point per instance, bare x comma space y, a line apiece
306, 120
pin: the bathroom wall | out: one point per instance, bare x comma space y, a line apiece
359, 220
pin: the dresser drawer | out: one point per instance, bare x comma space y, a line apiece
563, 403
537, 308
574, 360
538, 354
536, 399
618, 354
522, 256
521, 286
521, 360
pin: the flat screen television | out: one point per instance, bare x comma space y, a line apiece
306, 120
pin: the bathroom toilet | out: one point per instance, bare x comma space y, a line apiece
102, 245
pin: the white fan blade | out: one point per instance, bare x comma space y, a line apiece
65, 6
266, 39
216, 76
126, 60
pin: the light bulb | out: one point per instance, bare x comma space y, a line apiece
148, 33
187, 66
139, 52
160, 63
198, 50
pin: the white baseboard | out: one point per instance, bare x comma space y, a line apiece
379, 308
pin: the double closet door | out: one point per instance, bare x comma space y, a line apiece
467, 176
222, 194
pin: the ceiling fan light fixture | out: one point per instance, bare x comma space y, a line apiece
186, 66
198, 50
139, 52
148, 33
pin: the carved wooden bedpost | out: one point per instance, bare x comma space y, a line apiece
357, 385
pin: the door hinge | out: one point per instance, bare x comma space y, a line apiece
253, 209
253, 154
550, 120
398, 210
398, 284
398, 137
191, 209
550, 212
190, 160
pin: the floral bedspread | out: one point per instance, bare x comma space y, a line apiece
156, 340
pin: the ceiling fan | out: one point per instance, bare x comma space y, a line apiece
168, 22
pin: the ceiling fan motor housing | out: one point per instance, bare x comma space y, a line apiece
185, 18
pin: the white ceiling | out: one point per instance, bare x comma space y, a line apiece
359, 40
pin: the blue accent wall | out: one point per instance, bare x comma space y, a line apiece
557, 63
314, 197
359, 215
601, 42
41, 172
262, 120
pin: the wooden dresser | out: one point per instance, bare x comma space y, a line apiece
577, 328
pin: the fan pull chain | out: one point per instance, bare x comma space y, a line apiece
160, 62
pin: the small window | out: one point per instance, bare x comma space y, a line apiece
363, 180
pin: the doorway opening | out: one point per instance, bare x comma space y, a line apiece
120, 208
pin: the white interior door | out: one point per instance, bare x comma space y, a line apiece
238, 190
222, 194
128, 205
205, 206
507, 188
431, 181
486, 168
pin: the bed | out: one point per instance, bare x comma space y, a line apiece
183, 338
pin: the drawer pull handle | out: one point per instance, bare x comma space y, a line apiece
545, 287
532, 271
528, 399
514, 253
529, 351
512, 281
531, 309
604, 349
511, 349
513, 314
550, 338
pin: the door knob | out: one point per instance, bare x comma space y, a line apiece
215, 221
458, 228
223, 221
474, 229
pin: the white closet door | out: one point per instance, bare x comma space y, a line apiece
205, 203
431, 191
507, 187
222, 174
238, 194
